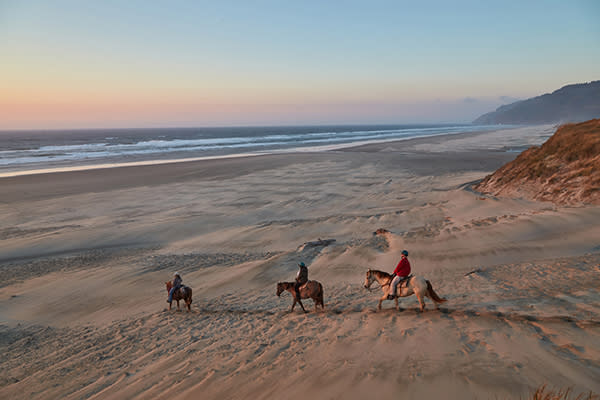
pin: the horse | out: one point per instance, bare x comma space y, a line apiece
311, 289
416, 285
183, 293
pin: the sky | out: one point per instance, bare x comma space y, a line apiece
105, 64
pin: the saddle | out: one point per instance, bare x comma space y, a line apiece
404, 281
180, 291
303, 285
402, 284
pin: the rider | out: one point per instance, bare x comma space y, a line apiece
177, 283
301, 278
400, 273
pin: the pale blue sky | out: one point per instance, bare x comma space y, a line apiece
142, 63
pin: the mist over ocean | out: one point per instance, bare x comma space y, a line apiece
27, 150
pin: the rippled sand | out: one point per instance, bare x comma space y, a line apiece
84, 256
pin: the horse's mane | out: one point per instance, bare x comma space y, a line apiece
380, 273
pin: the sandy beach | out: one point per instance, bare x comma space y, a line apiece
84, 256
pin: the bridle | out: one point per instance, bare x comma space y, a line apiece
370, 289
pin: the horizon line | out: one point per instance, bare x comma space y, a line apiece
4, 130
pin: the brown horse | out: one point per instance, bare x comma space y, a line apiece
184, 293
311, 289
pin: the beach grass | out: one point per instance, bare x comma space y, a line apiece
543, 393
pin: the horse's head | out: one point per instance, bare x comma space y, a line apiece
169, 285
280, 288
369, 278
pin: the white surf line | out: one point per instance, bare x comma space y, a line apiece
179, 160
349, 145
122, 164
318, 148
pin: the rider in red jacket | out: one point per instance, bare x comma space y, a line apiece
400, 273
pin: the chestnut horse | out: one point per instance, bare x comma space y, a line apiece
416, 285
184, 293
311, 289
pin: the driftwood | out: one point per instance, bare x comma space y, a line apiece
319, 242
474, 271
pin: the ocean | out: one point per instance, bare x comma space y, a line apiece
29, 151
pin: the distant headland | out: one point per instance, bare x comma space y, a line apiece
571, 103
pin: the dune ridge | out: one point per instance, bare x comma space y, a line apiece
564, 170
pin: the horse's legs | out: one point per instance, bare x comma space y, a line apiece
318, 301
380, 300
421, 300
397, 306
170, 306
178, 308
301, 305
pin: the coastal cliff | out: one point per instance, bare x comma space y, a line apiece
571, 103
564, 170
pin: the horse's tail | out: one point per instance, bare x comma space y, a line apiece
189, 295
433, 295
321, 295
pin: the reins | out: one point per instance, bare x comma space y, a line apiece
370, 289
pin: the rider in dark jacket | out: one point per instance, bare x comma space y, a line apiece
177, 283
301, 278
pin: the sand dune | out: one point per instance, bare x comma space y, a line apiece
82, 266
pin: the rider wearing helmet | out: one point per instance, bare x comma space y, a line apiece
400, 273
177, 283
301, 278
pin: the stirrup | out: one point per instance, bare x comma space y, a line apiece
391, 297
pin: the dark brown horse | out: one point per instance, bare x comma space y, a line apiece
183, 293
311, 289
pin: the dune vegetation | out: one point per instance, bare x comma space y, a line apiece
564, 170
